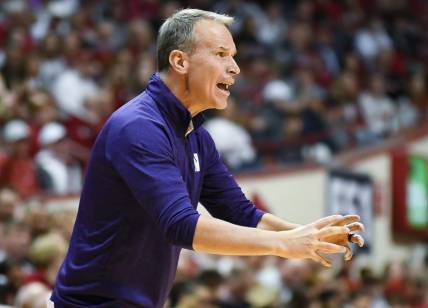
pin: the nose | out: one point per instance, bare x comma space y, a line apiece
233, 68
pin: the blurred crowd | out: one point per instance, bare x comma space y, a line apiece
317, 78
270, 282
33, 242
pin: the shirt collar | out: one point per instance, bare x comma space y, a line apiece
171, 107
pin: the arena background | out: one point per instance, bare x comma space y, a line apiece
328, 115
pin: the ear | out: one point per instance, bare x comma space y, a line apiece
179, 61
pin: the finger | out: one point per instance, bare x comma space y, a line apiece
326, 247
348, 219
348, 254
358, 239
329, 232
320, 259
355, 227
329, 220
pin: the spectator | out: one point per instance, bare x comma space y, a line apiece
47, 253
9, 200
36, 217
272, 27
33, 295
379, 111
58, 171
19, 170
372, 40
52, 64
232, 140
344, 111
418, 95
78, 85
271, 122
17, 242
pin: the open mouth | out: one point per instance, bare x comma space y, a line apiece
223, 87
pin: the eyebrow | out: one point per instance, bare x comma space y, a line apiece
227, 49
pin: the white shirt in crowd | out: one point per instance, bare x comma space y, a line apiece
232, 141
71, 89
63, 178
379, 114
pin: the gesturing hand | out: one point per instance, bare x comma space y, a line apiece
350, 221
327, 236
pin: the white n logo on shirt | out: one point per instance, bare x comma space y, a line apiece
196, 162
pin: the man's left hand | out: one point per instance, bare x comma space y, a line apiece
350, 221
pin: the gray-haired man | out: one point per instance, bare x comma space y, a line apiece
151, 165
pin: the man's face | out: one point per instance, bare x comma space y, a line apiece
212, 68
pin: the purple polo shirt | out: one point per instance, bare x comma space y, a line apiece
138, 204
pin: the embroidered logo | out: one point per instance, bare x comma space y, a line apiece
196, 162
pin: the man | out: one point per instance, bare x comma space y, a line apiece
18, 169
59, 171
151, 165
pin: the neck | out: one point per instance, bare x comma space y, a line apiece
177, 85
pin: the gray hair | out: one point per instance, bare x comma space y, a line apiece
177, 33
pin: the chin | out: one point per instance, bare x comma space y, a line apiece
220, 105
